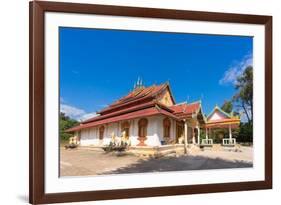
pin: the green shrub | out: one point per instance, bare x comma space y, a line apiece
65, 123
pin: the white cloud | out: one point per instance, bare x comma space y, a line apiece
236, 69
76, 113
62, 100
71, 111
88, 116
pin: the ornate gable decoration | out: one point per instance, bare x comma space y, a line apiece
166, 98
218, 114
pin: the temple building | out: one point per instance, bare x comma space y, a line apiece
150, 116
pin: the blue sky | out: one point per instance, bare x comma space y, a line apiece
99, 66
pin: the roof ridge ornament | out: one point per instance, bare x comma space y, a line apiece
139, 83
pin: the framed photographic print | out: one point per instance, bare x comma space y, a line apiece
138, 102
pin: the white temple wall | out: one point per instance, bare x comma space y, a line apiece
109, 130
154, 136
153, 133
134, 132
173, 129
90, 136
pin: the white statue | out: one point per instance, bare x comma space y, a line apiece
113, 137
125, 139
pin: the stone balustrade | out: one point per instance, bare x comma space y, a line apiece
207, 142
228, 141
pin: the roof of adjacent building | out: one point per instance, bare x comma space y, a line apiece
186, 109
225, 119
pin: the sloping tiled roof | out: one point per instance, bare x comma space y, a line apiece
137, 95
184, 108
188, 110
130, 109
126, 110
141, 102
127, 116
140, 92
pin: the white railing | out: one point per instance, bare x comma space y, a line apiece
207, 141
227, 141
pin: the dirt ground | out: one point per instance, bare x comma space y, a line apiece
81, 162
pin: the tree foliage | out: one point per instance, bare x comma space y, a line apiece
243, 100
227, 106
245, 132
244, 95
66, 123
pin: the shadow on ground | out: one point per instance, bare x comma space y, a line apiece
182, 163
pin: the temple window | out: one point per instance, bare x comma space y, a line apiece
101, 132
143, 127
166, 127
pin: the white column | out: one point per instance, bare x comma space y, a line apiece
230, 132
133, 128
175, 130
185, 136
119, 129
198, 136
105, 131
206, 133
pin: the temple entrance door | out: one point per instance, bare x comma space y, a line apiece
142, 131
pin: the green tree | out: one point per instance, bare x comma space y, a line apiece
227, 106
245, 132
243, 100
66, 123
244, 96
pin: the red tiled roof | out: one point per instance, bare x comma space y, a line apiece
130, 109
139, 113
185, 108
137, 95
141, 92
133, 108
